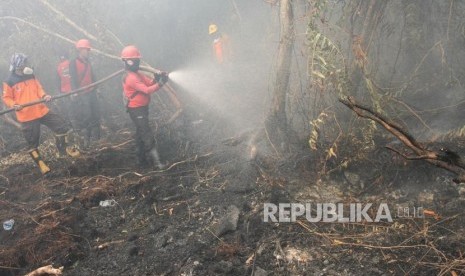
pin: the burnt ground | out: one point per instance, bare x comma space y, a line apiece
204, 214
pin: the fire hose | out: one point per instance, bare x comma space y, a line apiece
76, 91
171, 93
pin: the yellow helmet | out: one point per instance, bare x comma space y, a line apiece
212, 29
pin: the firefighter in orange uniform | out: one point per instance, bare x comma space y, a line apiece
22, 87
221, 45
64, 86
63, 74
137, 89
86, 110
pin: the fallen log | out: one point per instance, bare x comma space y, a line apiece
443, 158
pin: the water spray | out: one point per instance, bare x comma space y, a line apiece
170, 91
175, 76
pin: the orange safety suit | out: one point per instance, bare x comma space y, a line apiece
221, 49
81, 74
218, 50
138, 88
24, 89
86, 108
64, 76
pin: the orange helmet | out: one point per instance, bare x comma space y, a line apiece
130, 52
83, 43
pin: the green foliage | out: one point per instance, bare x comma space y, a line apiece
315, 132
328, 73
325, 60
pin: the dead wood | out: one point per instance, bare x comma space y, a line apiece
62, 16
249, 136
445, 159
46, 270
107, 244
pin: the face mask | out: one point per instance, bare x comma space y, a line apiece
132, 64
28, 71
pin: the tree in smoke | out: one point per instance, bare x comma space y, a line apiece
276, 121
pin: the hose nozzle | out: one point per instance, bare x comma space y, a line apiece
162, 77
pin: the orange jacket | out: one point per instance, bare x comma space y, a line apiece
221, 49
23, 89
138, 88
81, 74
218, 50
65, 78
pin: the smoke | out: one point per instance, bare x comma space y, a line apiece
173, 36
225, 89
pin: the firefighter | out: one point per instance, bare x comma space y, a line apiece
64, 85
64, 79
220, 45
137, 89
86, 112
22, 87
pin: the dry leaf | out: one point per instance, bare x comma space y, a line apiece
431, 213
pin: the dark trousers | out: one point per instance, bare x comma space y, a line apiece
31, 129
85, 114
65, 106
144, 135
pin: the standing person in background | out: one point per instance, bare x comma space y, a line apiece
86, 110
137, 89
220, 45
64, 86
64, 77
22, 87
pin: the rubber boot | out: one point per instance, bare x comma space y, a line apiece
153, 153
71, 149
142, 161
83, 139
62, 143
78, 137
44, 169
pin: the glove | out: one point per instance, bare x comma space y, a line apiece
161, 77
164, 78
156, 77
47, 98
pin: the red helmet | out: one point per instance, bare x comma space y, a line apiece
130, 52
83, 43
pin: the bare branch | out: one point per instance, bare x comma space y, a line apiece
67, 20
448, 160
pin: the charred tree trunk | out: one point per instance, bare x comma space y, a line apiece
276, 121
